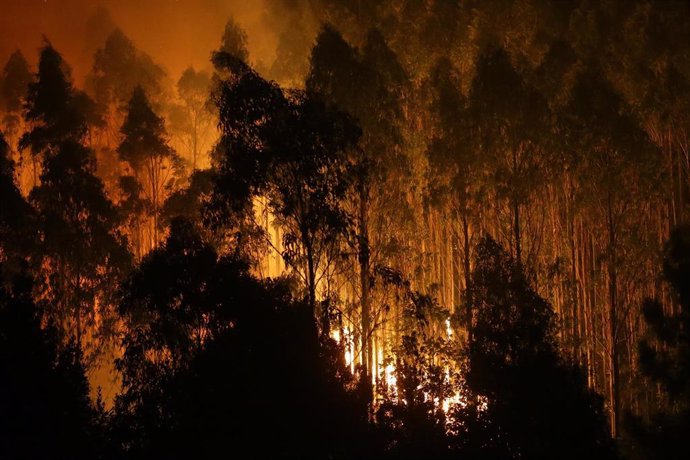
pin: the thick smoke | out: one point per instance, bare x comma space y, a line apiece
178, 33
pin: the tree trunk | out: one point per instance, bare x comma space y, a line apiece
466, 268
516, 230
364, 256
311, 286
614, 384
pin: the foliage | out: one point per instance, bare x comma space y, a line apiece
82, 249
55, 110
118, 68
234, 41
665, 357
288, 148
536, 404
44, 395
16, 215
243, 354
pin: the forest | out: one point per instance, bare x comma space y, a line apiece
440, 229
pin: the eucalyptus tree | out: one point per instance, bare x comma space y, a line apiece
14, 86
536, 405
619, 168
145, 148
54, 110
118, 68
369, 85
44, 393
664, 356
234, 41
456, 164
82, 252
507, 116
288, 148
193, 118
17, 229
241, 349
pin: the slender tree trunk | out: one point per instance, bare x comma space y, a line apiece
516, 230
364, 256
195, 141
573, 287
311, 286
614, 382
466, 268
77, 303
516, 212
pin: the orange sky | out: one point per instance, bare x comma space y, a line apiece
176, 33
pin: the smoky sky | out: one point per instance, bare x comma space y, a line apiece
177, 33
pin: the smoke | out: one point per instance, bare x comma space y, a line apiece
177, 33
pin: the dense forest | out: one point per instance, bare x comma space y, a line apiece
425, 229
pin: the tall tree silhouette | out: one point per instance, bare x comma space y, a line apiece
144, 146
289, 149
537, 405
82, 251
193, 117
369, 86
55, 111
14, 86
619, 169
456, 164
118, 68
234, 41
506, 117
17, 226
665, 356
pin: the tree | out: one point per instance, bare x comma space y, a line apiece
55, 111
134, 207
14, 86
288, 149
44, 394
456, 166
295, 27
665, 357
618, 170
17, 229
306, 187
83, 252
118, 69
506, 118
243, 352
190, 202
412, 419
99, 25
234, 41
194, 118
536, 405
145, 148
370, 87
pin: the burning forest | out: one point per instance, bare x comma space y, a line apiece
343, 229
